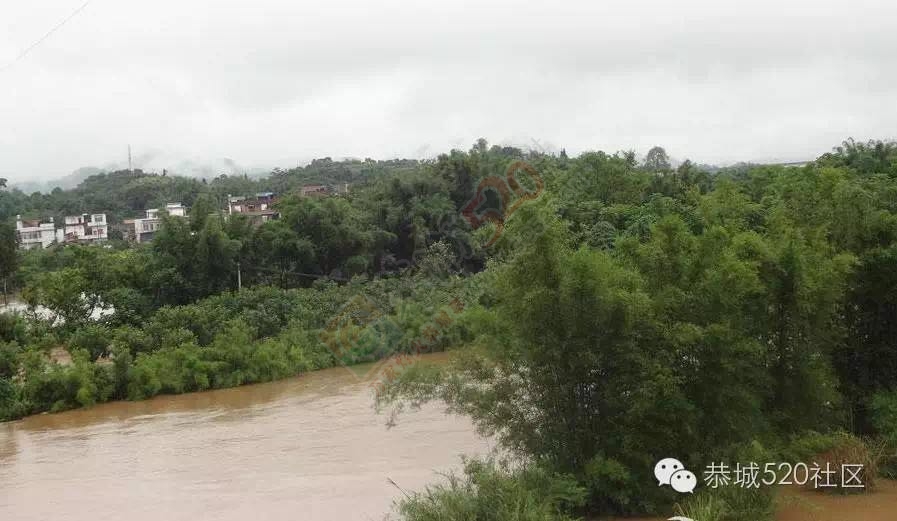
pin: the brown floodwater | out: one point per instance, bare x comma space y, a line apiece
308, 448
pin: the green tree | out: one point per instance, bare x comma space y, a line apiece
192, 265
65, 294
570, 370
657, 160
867, 360
203, 208
9, 259
334, 229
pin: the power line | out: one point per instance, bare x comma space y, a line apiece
44, 37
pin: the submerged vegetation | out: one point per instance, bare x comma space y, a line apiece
627, 312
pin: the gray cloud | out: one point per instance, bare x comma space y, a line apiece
273, 82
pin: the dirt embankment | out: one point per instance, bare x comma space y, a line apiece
799, 504
806, 505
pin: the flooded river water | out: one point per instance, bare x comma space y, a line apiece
305, 449
308, 448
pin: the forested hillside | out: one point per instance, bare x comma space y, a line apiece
613, 311
123, 194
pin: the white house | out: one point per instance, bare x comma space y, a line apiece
32, 233
176, 209
86, 228
145, 229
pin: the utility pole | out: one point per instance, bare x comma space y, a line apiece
239, 281
130, 169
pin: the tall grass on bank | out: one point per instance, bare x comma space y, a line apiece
488, 491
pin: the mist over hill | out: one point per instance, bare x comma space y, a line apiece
154, 161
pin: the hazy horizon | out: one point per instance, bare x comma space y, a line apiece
277, 83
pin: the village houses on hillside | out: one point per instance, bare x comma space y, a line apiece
144, 229
86, 228
33, 233
94, 227
258, 209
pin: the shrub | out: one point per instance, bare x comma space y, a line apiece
729, 503
9, 359
92, 338
748, 504
705, 505
614, 487
490, 492
131, 339
837, 449
52, 387
13, 328
883, 408
10, 406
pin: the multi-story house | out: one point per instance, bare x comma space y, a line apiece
32, 233
86, 228
176, 209
258, 209
145, 229
316, 191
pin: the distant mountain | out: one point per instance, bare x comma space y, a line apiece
150, 162
66, 183
155, 161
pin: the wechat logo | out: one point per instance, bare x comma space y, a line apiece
670, 471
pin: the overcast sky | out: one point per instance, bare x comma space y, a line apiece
275, 82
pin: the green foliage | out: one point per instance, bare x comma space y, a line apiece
334, 230
51, 387
884, 415
9, 359
489, 492
747, 304
730, 503
867, 361
657, 160
92, 338
839, 448
13, 328
872, 157
191, 264
233, 358
10, 405
704, 505
64, 293
9, 259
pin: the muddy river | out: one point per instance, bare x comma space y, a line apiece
308, 448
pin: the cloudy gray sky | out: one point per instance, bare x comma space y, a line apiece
275, 82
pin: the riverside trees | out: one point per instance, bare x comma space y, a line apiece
628, 313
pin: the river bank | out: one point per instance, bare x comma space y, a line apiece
802, 504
